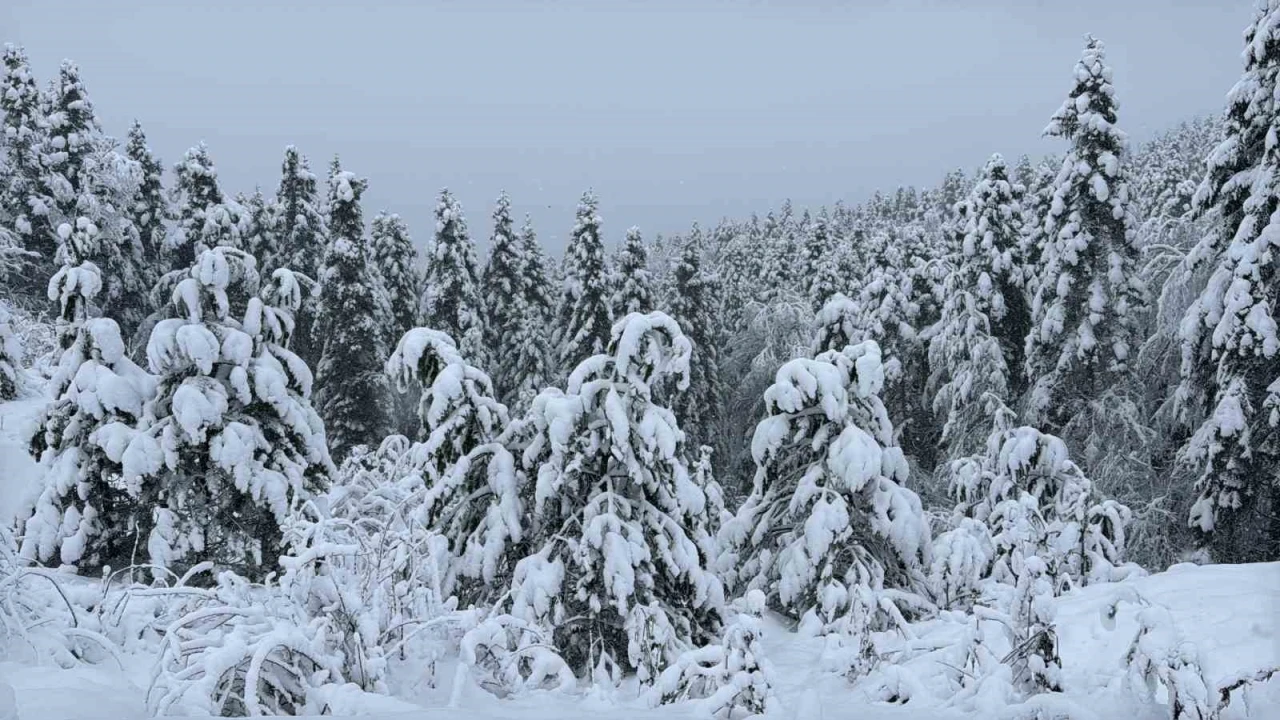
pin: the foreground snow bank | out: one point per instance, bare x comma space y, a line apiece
1226, 617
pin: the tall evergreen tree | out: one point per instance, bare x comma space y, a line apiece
985, 317
503, 300
150, 207
533, 360
21, 209
230, 440
300, 235
451, 301
633, 291
582, 327
352, 393
693, 306
205, 218
1229, 338
86, 181
299, 224
259, 233
1086, 309
395, 259
617, 526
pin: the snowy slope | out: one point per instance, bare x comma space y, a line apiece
18, 420
1231, 614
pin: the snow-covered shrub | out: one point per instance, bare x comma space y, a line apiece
86, 515
616, 519
728, 680
1084, 534
230, 440
508, 656
828, 533
251, 654
361, 566
961, 561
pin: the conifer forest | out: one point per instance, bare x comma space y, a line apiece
1002, 446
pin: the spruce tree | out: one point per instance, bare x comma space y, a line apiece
976, 346
85, 180
299, 224
533, 362
829, 525
616, 522
230, 441
205, 219
300, 235
150, 207
1085, 313
693, 307
582, 327
503, 300
633, 290
352, 394
821, 271
259, 233
21, 207
1229, 340
99, 396
451, 301
395, 259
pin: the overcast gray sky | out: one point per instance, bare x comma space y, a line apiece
673, 110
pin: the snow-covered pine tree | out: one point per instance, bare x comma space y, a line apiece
84, 179
976, 346
205, 218
451, 299
259, 233
633, 291
1085, 313
230, 440
299, 224
582, 327
471, 492
300, 235
503, 302
819, 255
693, 307
352, 394
150, 207
395, 261
1037, 198
1230, 385
534, 357
86, 515
616, 518
828, 525
21, 206
84, 511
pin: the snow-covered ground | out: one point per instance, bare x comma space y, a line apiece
1228, 615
